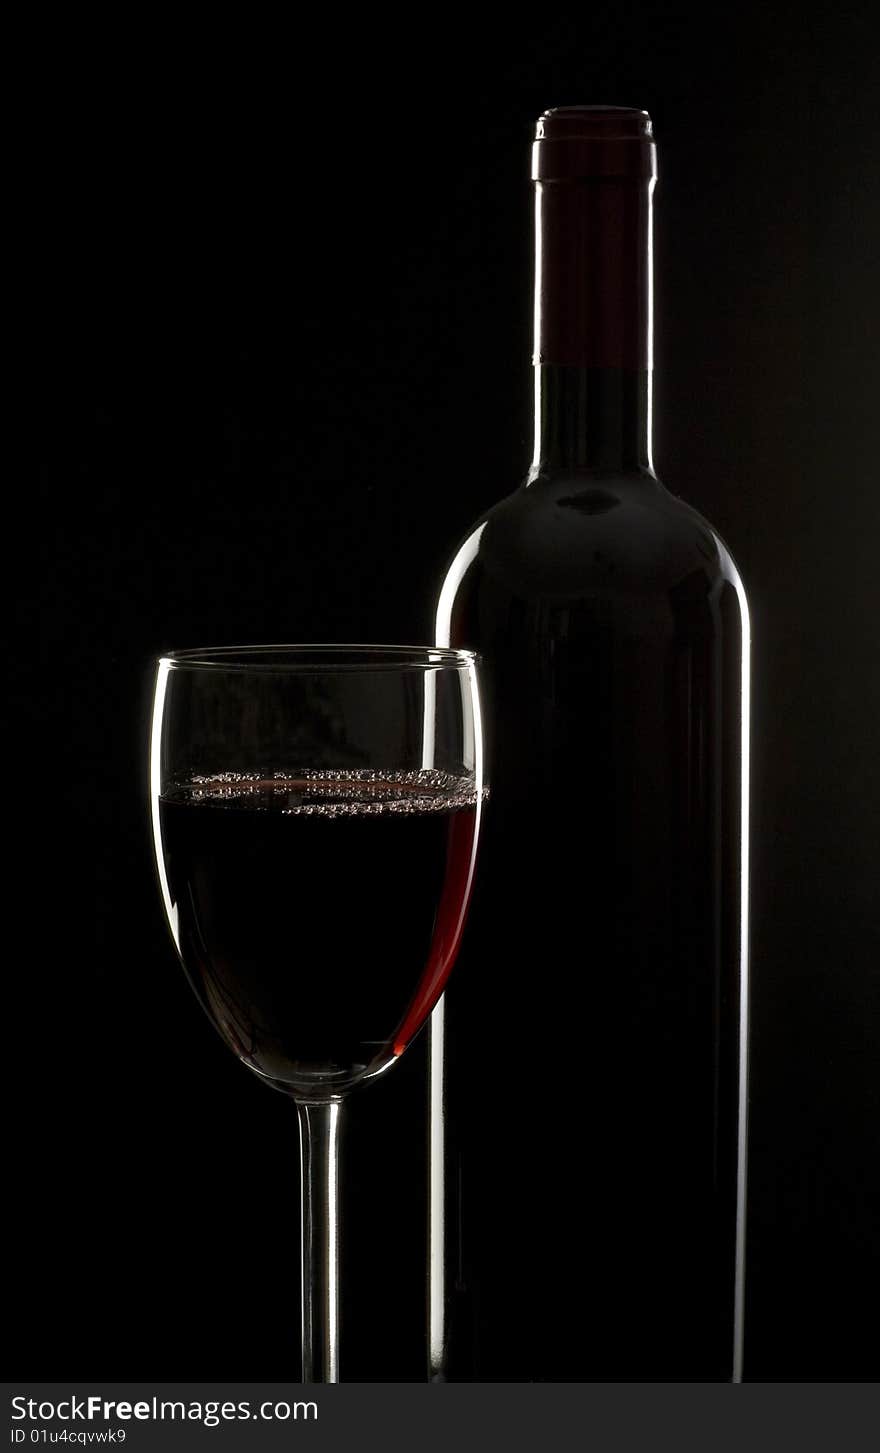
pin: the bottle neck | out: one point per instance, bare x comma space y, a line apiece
591, 418
593, 324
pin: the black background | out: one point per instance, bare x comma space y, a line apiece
280, 288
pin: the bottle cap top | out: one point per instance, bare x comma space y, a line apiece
583, 142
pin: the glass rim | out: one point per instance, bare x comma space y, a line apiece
316, 658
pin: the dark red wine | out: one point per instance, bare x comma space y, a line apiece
318, 914
592, 1091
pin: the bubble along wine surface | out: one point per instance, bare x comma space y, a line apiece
594, 1227
318, 914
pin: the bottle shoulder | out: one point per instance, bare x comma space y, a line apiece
566, 535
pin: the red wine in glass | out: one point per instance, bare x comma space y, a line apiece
317, 915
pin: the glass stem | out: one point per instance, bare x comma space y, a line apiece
319, 1160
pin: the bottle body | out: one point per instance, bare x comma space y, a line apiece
595, 1035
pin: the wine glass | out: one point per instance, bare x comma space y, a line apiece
316, 812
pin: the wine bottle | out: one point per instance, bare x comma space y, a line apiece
588, 1060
